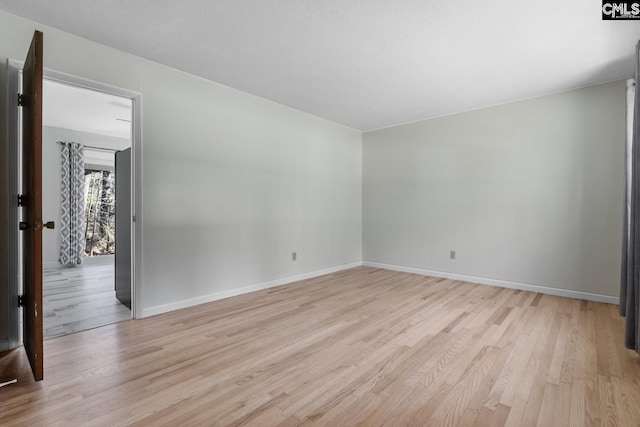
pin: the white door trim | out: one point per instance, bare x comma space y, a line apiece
14, 274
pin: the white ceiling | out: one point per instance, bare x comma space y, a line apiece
72, 107
364, 63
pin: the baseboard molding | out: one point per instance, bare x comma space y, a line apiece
87, 261
500, 283
159, 309
4, 344
51, 265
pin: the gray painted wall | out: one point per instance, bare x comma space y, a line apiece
528, 192
232, 183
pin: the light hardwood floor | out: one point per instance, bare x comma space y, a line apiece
359, 347
80, 298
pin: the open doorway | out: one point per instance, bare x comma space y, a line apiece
24, 184
86, 170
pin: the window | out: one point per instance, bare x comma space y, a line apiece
99, 212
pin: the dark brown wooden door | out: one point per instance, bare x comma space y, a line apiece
31, 224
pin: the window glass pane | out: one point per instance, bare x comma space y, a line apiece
99, 212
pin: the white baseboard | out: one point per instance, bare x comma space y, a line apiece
51, 265
4, 344
500, 283
159, 309
86, 261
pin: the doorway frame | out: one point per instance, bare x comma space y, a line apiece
13, 72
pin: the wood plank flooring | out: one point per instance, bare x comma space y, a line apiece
359, 347
80, 298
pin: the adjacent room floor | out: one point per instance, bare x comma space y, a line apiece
358, 347
81, 297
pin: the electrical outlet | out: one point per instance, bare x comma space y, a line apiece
294, 256
452, 254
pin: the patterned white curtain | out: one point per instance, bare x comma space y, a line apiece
72, 204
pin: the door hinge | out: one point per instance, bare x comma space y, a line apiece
20, 100
20, 300
22, 200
